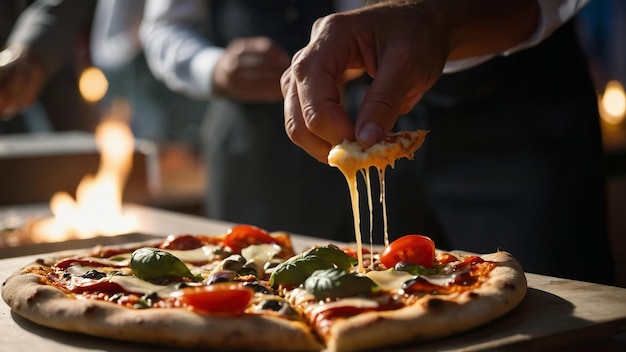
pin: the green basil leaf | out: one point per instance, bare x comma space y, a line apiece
337, 283
295, 270
152, 264
334, 255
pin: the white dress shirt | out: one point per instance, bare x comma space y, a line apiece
184, 60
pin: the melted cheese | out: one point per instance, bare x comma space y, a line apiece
201, 254
364, 303
350, 158
136, 285
299, 296
129, 283
261, 253
197, 255
389, 279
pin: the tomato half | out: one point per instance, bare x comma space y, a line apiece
242, 236
226, 297
414, 249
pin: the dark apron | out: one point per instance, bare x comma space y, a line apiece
256, 174
514, 160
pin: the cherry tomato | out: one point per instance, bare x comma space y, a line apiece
414, 249
226, 297
242, 236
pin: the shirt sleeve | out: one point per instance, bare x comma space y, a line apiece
174, 37
553, 14
114, 33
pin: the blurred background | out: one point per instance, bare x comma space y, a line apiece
51, 146
602, 30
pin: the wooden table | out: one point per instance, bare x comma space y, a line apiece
555, 313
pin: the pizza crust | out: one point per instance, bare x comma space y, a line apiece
28, 296
433, 317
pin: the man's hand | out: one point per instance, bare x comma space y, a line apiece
400, 48
250, 70
404, 46
21, 80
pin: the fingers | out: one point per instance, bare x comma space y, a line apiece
250, 70
314, 117
261, 52
380, 107
398, 85
294, 123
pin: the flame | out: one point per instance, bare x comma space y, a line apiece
612, 104
97, 209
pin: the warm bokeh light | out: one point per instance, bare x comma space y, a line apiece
92, 84
97, 209
612, 103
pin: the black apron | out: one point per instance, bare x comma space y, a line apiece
256, 175
514, 160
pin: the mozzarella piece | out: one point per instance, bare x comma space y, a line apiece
261, 253
389, 279
136, 285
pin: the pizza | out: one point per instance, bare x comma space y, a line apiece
248, 289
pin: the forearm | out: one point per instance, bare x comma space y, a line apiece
519, 25
484, 27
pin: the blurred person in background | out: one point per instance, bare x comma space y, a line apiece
514, 158
44, 49
231, 54
159, 114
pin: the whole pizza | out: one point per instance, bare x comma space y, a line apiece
248, 290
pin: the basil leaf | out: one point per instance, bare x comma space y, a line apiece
295, 270
337, 283
152, 264
334, 255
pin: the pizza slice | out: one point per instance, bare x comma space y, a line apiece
349, 156
410, 293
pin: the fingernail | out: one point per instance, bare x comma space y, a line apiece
370, 133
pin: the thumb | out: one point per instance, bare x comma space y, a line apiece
380, 108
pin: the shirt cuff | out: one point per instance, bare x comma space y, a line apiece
201, 70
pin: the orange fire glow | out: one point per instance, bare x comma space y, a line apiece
97, 209
612, 104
